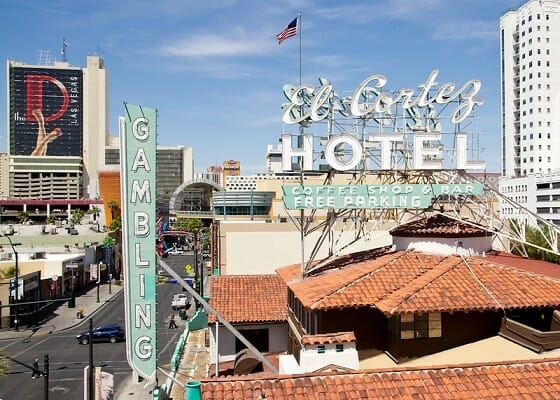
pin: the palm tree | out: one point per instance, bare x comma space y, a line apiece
22, 216
115, 209
95, 211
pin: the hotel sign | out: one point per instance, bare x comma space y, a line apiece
138, 194
420, 112
411, 196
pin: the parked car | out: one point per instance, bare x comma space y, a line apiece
104, 333
179, 301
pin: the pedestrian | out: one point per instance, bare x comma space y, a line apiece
35, 373
172, 324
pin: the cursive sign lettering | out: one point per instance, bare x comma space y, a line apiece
307, 103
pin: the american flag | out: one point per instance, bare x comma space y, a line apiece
288, 31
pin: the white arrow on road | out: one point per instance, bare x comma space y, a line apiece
63, 389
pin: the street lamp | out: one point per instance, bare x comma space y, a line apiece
16, 319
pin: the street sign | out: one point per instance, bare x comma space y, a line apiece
16, 288
188, 269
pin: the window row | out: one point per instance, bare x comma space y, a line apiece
539, 87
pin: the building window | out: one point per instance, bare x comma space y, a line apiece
257, 337
416, 326
321, 349
339, 348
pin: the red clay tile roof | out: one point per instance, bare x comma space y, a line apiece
411, 281
328, 338
526, 264
534, 379
439, 226
249, 298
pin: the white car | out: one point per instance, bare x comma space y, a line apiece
179, 301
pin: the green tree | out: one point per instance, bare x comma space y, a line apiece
115, 224
194, 225
77, 215
22, 216
181, 224
539, 237
51, 219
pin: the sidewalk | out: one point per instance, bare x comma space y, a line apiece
65, 317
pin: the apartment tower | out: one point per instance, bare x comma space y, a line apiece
530, 96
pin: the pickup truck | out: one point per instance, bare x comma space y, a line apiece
179, 301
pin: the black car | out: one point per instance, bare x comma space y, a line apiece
104, 333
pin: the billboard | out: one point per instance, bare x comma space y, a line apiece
46, 108
138, 195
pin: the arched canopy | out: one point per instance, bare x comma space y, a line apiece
193, 196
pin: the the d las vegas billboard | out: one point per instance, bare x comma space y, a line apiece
45, 111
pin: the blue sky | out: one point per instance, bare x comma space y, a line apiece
215, 72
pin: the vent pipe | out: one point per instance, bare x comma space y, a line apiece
192, 391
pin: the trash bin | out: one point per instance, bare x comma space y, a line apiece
72, 302
183, 314
80, 313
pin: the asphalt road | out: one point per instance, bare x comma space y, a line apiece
67, 358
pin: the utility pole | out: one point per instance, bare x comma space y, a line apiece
98, 266
16, 297
196, 269
91, 380
46, 376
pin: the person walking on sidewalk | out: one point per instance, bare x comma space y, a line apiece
35, 373
172, 324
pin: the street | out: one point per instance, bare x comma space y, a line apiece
67, 358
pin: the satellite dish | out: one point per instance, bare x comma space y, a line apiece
246, 363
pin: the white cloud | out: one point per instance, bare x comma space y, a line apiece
364, 13
466, 30
213, 45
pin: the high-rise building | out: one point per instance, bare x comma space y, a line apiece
57, 127
530, 95
530, 71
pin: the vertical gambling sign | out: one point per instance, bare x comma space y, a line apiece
138, 192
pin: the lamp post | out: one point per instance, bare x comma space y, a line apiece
12, 244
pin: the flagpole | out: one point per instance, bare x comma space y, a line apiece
299, 29
301, 177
